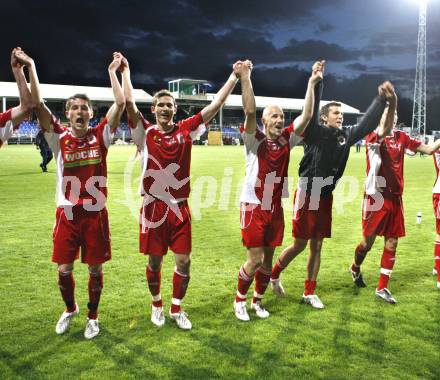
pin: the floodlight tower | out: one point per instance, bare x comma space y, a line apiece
418, 125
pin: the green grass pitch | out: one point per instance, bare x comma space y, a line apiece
355, 337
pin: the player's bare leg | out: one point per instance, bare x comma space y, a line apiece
283, 261
96, 283
153, 273
262, 279
180, 284
436, 270
386, 268
246, 275
359, 256
313, 264
66, 284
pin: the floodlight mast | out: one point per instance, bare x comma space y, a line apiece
418, 125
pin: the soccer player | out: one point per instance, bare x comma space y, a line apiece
436, 203
267, 161
382, 208
326, 149
11, 119
81, 216
165, 221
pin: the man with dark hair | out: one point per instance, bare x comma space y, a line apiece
382, 208
81, 216
43, 147
326, 150
165, 221
261, 213
11, 119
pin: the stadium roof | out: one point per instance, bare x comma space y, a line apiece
9, 90
287, 104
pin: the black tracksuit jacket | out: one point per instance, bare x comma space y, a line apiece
326, 150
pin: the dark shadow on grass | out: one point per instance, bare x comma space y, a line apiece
40, 351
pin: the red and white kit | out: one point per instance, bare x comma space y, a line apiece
81, 193
6, 127
165, 184
266, 183
385, 159
436, 191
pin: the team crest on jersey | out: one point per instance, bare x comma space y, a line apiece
342, 140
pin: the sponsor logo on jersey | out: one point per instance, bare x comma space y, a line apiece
88, 156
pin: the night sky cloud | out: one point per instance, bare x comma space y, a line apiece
363, 43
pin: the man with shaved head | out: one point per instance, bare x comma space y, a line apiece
267, 159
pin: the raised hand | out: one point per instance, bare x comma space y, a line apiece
124, 65
19, 58
317, 71
386, 90
242, 69
116, 63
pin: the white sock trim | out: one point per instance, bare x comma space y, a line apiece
157, 297
386, 272
176, 301
259, 296
241, 295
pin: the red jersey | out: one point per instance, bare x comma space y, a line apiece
81, 163
267, 162
436, 188
6, 127
385, 159
166, 156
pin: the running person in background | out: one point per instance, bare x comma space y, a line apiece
11, 119
267, 160
43, 147
165, 221
382, 208
81, 216
326, 150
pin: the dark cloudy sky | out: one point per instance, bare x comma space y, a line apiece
362, 41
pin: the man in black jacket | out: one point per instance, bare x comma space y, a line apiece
326, 149
46, 153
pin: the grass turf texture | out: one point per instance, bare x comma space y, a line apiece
355, 336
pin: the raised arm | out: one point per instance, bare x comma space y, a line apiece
23, 110
243, 71
371, 119
386, 126
304, 119
220, 98
132, 110
43, 113
115, 112
429, 148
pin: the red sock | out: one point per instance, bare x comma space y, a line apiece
437, 259
66, 284
276, 270
153, 280
386, 268
262, 278
359, 257
180, 284
96, 283
244, 283
309, 287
